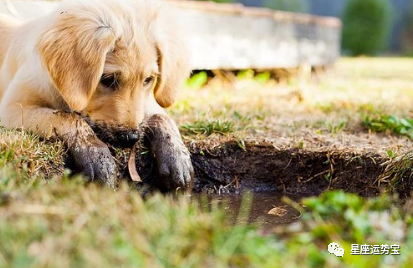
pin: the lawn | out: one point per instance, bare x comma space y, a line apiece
50, 218
326, 110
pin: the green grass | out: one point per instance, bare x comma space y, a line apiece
24, 156
328, 107
63, 222
394, 124
349, 219
209, 127
398, 170
69, 224
197, 81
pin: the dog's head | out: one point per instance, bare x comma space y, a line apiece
110, 60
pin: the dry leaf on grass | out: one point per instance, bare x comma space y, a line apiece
132, 166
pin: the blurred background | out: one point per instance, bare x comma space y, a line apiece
389, 24
231, 37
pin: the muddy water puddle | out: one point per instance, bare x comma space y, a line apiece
265, 209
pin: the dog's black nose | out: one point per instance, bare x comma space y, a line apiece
128, 138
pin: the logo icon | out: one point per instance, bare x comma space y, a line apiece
334, 248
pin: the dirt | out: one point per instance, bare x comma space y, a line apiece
226, 172
263, 167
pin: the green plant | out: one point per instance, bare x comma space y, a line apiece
207, 127
366, 25
197, 80
395, 124
392, 155
245, 74
335, 128
263, 77
287, 5
397, 169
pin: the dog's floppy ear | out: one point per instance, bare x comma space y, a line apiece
173, 57
73, 49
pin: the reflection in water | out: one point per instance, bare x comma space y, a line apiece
265, 209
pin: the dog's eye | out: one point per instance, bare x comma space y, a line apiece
110, 81
148, 80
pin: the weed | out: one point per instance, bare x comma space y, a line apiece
326, 107
397, 169
301, 144
263, 77
330, 127
397, 125
197, 80
207, 127
392, 155
336, 128
244, 119
241, 144
245, 74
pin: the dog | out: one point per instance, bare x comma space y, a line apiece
110, 64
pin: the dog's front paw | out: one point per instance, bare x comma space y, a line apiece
174, 164
172, 158
94, 159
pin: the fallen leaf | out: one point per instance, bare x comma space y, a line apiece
132, 166
277, 211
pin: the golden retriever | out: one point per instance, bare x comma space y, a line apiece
107, 63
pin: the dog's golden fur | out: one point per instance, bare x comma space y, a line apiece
114, 62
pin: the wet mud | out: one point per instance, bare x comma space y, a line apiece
260, 167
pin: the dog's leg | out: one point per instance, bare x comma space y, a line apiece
171, 155
91, 155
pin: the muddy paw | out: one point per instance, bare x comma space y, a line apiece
94, 159
171, 156
174, 165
